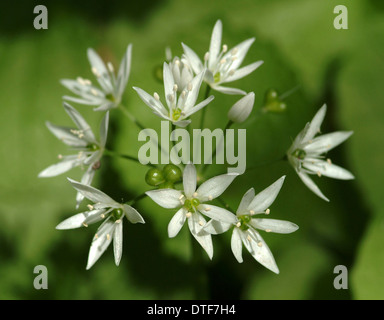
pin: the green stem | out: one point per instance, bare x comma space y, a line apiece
200, 279
284, 158
202, 119
213, 155
138, 198
124, 156
131, 117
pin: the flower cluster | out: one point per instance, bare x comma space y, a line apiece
198, 202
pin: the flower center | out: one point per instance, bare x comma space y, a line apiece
176, 114
217, 77
299, 154
191, 204
110, 97
244, 220
117, 214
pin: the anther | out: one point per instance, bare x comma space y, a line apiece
96, 72
194, 194
259, 244
225, 48
84, 224
156, 96
329, 161
175, 87
102, 216
249, 238
188, 214
238, 224
189, 86
108, 236
319, 174
210, 197
94, 92
207, 209
268, 211
251, 212
222, 61
206, 56
90, 207
181, 197
110, 67
268, 230
201, 223
80, 80
118, 221
60, 156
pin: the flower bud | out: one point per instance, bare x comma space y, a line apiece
154, 177
241, 110
273, 103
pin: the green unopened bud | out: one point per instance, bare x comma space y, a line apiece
154, 177
272, 102
172, 173
241, 110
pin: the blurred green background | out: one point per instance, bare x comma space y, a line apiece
300, 47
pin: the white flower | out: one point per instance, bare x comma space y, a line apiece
193, 207
306, 154
81, 139
222, 64
180, 107
245, 230
241, 110
107, 209
112, 86
182, 72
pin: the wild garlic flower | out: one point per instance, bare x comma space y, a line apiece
246, 226
193, 207
223, 64
182, 73
112, 85
89, 150
307, 153
180, 106
107, 209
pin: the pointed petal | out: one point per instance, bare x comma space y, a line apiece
193, 59
169, 82
198, 107
98, 65
176, 222
215, 186
151, 102
118, 242
182, 123
104, 130
93, 194
215, 44
73, 222
242, 50
100, 242
246, 201
132, 214
80, 122
217, 227
327, 142
329, 170
227, 90
244, 71
87, 102
194, 93
202, 237
124, 71
265, 198
189, 180
315, 124
166, 198
87, 180
217, 213
311, 185
236, 245
65, 135
273, 225
59, 168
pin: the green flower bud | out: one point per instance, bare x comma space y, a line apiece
172, 173
272, 102
154, 177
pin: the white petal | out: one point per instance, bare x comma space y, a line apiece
215, 186
193, 59
244, 71
166, 198
236, 245
118, 242
259, 250
315, 124
242, 49
176, 222
273, 225
73, 222
328, 169
151, 102
327, 142
198, 107
246, 201
80, 122
105, 106
241, 110
204, 238
104, 130
217, 213
215, 44
100, 242
65, 135
192, 95
98, 64
59, 168
227, 90
265, 198
93, 194
86, 101
132, 214
311, 185
189, 180
217, 227
87, 180
169, 82
182, 123
124, 71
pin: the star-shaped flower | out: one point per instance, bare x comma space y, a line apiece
245, 228
180, 106
107, 209
306, 154
223, 65
112, 86
81, 139
193, 206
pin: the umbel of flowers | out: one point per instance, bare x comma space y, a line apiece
185, 189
